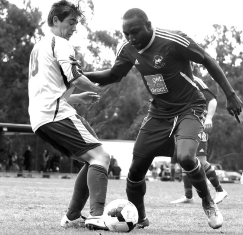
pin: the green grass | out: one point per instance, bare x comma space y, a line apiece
36, 205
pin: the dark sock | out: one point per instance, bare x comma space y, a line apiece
97, 183
198, 179
213, 178
187, 186
135, 194
80, 194
172, 173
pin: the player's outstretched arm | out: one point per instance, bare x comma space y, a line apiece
84, 98
234, 104
84, 84
104, 77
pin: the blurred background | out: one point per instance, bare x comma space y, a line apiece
215, 25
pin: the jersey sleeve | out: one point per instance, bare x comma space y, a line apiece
188, 49
122, 63
62, 50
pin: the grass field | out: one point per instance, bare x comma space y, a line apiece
36, 205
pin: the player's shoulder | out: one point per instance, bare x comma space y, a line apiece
61, 41
173, 36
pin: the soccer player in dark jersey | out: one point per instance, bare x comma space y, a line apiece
202, 150
178, 108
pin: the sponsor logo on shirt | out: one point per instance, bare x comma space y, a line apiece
156, 84
158, 61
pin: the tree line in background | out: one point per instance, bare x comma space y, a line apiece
123, 106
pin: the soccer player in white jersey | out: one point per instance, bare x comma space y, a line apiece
51, 81
177, 109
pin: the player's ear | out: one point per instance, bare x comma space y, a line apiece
55, 20
148, 25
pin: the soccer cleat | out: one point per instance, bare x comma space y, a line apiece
220, 196
183, 200
142, 223
95, 223
66, 223
215, 218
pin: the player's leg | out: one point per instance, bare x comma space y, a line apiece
186, 183
72, 138
172, 167
188, 133
151, 141
96, 180
172, 172
79, 198
136, 186
221, 194
188, 197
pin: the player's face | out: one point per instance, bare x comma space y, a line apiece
67, 27
137, 32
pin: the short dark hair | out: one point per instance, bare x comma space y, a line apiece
135, 12
62, 9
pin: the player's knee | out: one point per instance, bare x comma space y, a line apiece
186, 161
135, 175
97, 156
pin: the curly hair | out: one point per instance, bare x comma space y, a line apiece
63, 9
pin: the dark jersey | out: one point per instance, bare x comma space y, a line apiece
164, 65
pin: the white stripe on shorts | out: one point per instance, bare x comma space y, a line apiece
87, 137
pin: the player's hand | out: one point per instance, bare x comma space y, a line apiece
208, 125
234, 106
89, 97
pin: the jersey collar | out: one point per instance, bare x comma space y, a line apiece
151, 41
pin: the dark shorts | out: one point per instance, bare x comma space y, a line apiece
156, 135
72, 136
201, 150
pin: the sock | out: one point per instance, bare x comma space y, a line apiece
198, 179
135, 194
97, 183
187, 186
172, 173
212, 176
80, 194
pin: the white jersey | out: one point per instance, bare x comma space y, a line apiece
50, 77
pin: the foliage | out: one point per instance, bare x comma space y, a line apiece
120, 110
19, 30
225, 145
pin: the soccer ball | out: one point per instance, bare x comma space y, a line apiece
120, 216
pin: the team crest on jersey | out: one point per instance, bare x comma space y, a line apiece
203, 136
158, 61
